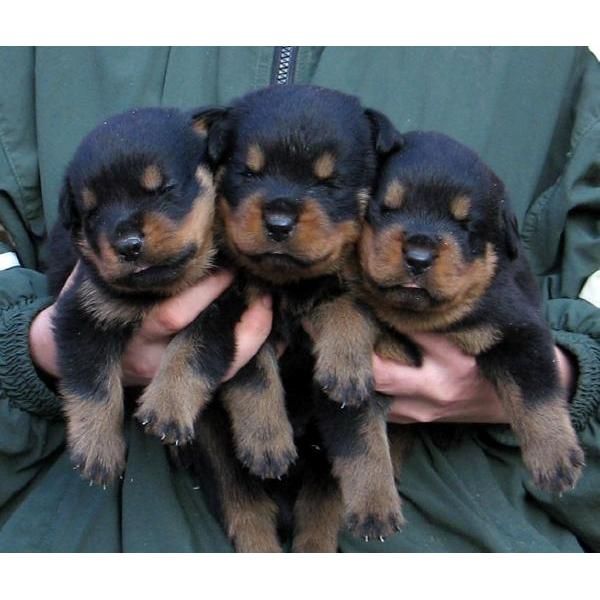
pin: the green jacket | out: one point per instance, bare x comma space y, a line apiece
534, 116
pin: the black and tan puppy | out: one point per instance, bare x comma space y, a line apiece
298, 163
441, 253
137, 212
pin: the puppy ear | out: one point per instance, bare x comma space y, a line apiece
67, 210
213, 124
508, 225
387, 138
510, 229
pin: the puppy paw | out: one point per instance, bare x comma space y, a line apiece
101, 464
555, 468
349, 388
376, 519
268, 454
166, 415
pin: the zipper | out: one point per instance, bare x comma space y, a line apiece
284, 65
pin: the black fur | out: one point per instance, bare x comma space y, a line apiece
108, 167
434, 171
267, 145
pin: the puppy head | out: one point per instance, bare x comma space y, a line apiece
138, 198
437, 227
298, 165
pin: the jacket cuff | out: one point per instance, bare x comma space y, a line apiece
586, 350
20, 381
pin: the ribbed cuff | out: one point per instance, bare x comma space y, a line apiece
20, 382
586, 350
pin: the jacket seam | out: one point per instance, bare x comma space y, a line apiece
11, 165
532, 216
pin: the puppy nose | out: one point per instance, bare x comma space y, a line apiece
129, 247
418, 259
279, 224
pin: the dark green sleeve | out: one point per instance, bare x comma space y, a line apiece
562, 233
22, 296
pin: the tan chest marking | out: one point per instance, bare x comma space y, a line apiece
475, 340
107, 311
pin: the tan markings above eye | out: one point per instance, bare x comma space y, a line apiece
324, 166
394, 195
151, 178
88, 199
255, 158
460, 207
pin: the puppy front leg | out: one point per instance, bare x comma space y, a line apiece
318, 510
357, 445
249, 515
343, 336
193, 366
527, 381
255, 402
89, 359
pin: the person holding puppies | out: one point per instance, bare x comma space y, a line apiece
533, 118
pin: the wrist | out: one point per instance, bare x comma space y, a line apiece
567, 369
42, 347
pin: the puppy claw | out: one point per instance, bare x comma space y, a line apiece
376, 524
557, 471
352, 391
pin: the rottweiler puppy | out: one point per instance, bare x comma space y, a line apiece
296, 167
137, 211
440, 252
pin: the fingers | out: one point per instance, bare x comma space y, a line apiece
175, 313
251, 333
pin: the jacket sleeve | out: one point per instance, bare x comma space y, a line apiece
562, 234
30, 428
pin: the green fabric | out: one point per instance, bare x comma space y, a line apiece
532, 113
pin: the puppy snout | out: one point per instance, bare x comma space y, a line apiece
280, 219
419, 254
129, 246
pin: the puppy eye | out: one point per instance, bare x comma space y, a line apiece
169, 186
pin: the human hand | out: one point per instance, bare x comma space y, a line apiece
144, 351
448, 386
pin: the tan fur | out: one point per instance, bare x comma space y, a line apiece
107, 311
88, 199
390, 348
460, 207
367, 481
255, 158
475, 340
343, 344
462, 287
324, 166
250, 516
152, 178
548, 441
106, 262
315, 239
363, 197
381, 255
95, 430
262, 432
164, 239
200, 127
394, 195
176, 395
318, 517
